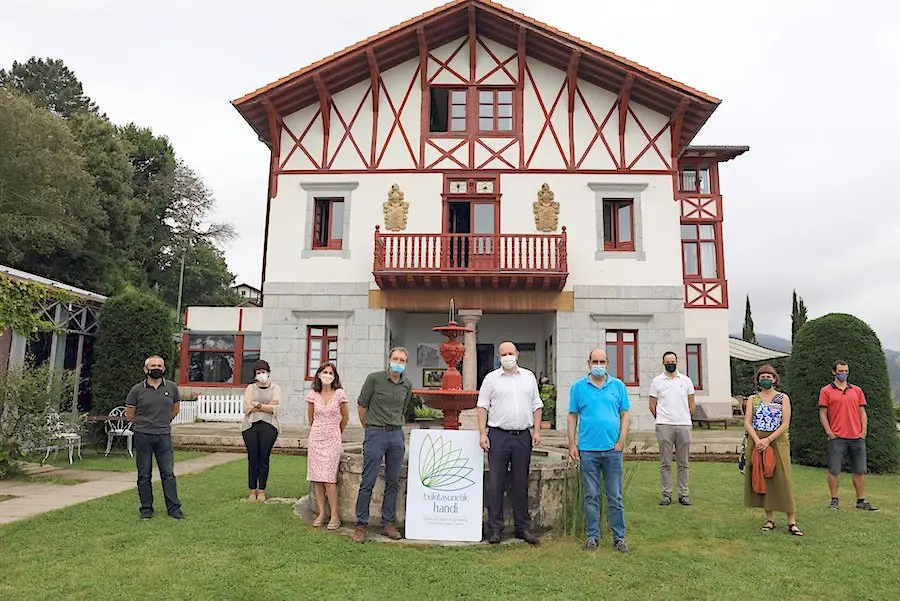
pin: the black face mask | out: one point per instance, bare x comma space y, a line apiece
156, 373
671, 367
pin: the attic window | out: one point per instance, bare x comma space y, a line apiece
448, 109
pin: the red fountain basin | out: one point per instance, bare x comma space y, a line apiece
451, 402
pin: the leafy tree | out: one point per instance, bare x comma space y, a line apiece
49, 84
743, 374
819, 343
798, 315
748, 334
132, 326
49, 204
207, 280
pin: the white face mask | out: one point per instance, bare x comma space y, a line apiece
326, 379
262, 378
508, 361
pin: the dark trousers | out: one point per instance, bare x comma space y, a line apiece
145, 447
378, 444
509, 450
259, 440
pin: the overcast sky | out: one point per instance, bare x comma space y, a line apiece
812, 87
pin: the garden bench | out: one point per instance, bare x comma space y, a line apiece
701, 419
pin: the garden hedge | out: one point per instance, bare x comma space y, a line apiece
818, 344
132, 326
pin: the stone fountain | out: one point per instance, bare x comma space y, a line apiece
450, 398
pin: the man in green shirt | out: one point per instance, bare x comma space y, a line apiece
383, 401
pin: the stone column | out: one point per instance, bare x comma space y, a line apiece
469, 317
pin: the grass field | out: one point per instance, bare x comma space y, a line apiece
227, 548
114, 463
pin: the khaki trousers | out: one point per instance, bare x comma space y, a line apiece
673, 440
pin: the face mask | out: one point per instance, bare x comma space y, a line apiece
508, 361
326, 379
156, 373
843, 377
397, 368
262, 378
598, 371
766, 383
671, 367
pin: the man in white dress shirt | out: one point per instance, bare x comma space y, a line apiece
672, 404
509, 405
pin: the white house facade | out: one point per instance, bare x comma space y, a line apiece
545, 185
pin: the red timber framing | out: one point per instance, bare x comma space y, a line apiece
481, 25
701, 219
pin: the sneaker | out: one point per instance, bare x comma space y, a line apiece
684, 501
147, 516
359, 535
666, 500
620, 546
391, 532
863, 504
590, 545
835, 504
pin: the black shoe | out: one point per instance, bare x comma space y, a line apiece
146, 516
528, 537
620, 546
176, 516
684, 501
835, 504
494, 538
590, 545
863, 504
666, 500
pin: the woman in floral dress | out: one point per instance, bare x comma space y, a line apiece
328, 416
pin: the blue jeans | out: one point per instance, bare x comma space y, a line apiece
609, 464
378, 444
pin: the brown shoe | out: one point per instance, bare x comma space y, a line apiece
391, 532
359, 536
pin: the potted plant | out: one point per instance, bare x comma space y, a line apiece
548, 414
425, 416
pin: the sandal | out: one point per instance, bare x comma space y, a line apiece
334, 524
318, 521
793, 529
768, 526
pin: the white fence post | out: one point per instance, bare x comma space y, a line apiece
188, 413
220, 408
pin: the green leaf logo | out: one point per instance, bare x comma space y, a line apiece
441, 467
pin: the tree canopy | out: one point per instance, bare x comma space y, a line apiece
818, 344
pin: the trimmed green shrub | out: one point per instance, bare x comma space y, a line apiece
133, 326
818, 344
743, 374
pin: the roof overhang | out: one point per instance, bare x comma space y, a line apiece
719, 154
747, 351
493, 21
81, 293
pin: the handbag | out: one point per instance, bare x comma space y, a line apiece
742, 458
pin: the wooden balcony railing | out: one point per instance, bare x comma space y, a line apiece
471, 258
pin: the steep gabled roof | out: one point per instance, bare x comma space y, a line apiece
445, 23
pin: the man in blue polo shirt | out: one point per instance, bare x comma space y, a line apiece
598, 410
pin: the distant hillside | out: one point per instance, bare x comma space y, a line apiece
777, 343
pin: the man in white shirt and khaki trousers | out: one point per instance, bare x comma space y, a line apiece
509, 406
672, 404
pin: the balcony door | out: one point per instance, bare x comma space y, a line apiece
471, 224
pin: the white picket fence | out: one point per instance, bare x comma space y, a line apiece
188, 413
220, 407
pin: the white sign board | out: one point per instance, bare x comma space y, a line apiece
445, 486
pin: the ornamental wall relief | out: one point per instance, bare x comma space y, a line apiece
396, 210
546, 210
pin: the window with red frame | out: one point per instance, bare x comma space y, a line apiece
447, 110
495, 110
698, 246
328, 225
694, 367
695, 178
321, 347
618, 224
622, 355
214, 359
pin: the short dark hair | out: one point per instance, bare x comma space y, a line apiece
838, 363
317, 383
261, 365
768, 369
667, 353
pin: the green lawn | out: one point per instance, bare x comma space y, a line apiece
114, 463
230, 549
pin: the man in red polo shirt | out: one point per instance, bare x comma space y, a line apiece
842, 411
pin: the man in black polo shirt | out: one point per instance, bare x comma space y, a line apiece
383, 400
152, 405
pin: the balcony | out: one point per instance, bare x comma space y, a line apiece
499, 261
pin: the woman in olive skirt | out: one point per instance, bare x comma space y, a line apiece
767, 419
